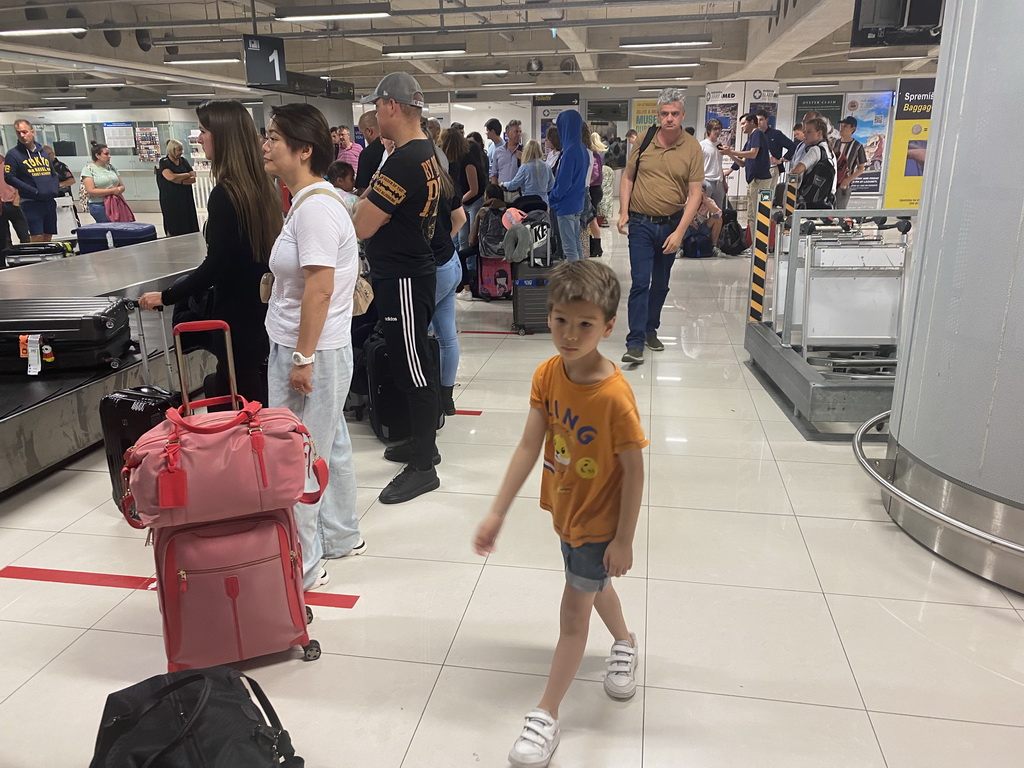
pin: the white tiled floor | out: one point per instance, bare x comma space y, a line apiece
784, 621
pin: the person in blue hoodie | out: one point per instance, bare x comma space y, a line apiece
27, 168
572, 174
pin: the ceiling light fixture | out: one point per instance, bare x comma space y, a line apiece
673, 41
44, 27
465, 107
661, 79
666, 66
191, 95
202, 58
813, 85
505, 85
62, 98
98, 85
331, 12
426, 49
476, 72
534, 93
890, 57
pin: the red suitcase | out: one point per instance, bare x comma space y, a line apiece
231, 590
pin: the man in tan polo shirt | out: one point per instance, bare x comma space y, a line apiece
659, 196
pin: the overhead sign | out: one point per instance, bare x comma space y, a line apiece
264, 60
557, 100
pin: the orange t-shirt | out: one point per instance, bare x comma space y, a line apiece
588, 425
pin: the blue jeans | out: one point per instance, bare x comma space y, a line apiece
650, 270
569, 235
329, 528
99, 212
443, 323
462, 238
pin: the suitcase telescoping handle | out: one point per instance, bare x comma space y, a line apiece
147, 375
196, 327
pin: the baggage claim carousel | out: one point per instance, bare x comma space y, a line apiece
47, 419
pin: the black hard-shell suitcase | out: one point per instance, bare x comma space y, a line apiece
388, 407
73, 333
128, 414
33, 253
93, 237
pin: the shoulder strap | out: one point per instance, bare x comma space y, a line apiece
648, 138
305, 197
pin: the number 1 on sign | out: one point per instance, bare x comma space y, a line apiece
276, 61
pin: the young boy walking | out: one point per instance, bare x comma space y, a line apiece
583, 414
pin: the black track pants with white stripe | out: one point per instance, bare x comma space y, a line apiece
405, 306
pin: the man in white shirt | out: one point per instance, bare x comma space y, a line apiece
815, 163
713, 162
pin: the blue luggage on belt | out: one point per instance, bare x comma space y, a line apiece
93, 237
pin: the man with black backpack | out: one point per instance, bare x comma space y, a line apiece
659, 195
815, 163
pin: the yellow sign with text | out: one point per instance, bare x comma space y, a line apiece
645, 114
908, 147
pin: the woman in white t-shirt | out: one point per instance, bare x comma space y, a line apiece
315, 262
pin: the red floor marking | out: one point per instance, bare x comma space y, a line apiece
88, 579
492, 333
468, 413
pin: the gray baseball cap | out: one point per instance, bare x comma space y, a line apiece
398, 86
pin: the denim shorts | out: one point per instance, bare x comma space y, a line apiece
41, 216
584, 566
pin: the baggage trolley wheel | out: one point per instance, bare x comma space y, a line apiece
311, 651
309, 615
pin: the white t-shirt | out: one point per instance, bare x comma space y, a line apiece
317, 233
810, 155
712, 161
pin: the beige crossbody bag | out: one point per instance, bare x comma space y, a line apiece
363, 293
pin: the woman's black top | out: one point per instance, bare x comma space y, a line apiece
441, 243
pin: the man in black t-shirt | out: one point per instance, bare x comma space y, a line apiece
397, 218
370, 158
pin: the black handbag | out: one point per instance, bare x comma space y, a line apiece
732, 238
201, 717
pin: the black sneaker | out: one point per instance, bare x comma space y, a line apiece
654, 343
408, 484
402, 453
633, 355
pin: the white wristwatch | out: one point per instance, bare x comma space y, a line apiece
299, 359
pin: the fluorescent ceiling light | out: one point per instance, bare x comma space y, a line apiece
650, 90
330, 12
62, 98
191, 95
202, 58
98, 85
476, 72
534, 93
463, 106
426, 49
661, 79
812, 85
676, 65
672, 41
168, 41
505, 85
889, 57
44, 27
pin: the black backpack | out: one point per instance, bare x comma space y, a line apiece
732, 239
815, 191
190, 718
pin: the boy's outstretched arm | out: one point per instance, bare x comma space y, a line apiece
519, 468
618, 557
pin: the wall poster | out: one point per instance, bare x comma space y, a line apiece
872, 111
829, 105
909, 144
645, 114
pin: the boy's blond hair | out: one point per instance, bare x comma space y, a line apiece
585, 280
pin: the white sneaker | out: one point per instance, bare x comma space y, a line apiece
537, 742
357, 550
619, 681
322, 579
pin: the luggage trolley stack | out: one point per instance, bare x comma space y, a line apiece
218, 491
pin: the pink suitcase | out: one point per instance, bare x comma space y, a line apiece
231, 590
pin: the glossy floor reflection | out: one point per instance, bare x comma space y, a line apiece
784, 621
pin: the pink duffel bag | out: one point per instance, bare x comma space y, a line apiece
215, 466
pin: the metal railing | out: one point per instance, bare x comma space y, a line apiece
896, 493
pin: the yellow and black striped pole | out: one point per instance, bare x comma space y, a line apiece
760, 265
791, 182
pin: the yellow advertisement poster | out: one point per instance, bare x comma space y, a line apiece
909, 144
645, 114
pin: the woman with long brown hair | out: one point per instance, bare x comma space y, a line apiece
244, 220
468, 171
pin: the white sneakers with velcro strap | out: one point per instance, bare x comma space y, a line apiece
537, 742
620, 680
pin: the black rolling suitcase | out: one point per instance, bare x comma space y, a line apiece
40, 335
388, 408
33, 253
530, 283
128, 414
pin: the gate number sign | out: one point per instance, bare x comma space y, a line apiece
264, 60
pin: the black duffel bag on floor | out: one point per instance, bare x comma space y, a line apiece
197, 717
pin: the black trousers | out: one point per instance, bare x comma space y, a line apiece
405, 306
13, 215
